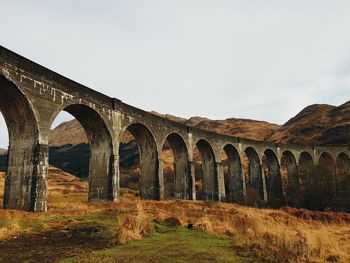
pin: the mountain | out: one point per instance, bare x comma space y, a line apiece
245, 128
69, 132
318, 124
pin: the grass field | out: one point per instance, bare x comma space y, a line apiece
131, 230
171, 245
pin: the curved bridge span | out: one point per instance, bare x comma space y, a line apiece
32, 96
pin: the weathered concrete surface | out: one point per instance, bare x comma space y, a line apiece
31, 97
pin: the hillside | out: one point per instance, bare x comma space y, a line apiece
245, 128
69, 132
318, 124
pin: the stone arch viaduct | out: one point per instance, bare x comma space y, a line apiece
31, 97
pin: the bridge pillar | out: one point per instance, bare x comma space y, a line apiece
264, 187
182, 171
244, 184
115, 178
101, 175
39, 193
220, 182
283, 189
192, 191
161, 179
26, 177
183, 179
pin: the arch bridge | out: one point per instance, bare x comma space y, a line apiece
31, 97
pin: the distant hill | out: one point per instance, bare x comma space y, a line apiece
245, 128
69, 132
318, 124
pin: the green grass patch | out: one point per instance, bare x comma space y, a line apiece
168, 244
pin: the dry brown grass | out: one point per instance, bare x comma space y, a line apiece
275, 235
10, 230
134, 226
286, 235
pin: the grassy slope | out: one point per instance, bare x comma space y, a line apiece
169, 244
74, 227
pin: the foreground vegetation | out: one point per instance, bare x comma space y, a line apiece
132, 230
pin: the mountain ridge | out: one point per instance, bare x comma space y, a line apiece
317, 124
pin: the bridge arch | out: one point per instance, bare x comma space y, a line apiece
328, 164
272, 172
182, 180
253, 175
343, 180
233, 177
290, 178
209, 174
343, 155
150, 187
306, 165
102, 179
326, 159
23, 152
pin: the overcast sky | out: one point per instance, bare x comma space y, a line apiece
263, 60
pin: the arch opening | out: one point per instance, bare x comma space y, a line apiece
328, 166
88, 155
21, 179
253, 177
273, 179
290, 179
168, 163
206, 175
317, 181
3, 156
324, 183
306, 166
343, 182
148, 183
129, 164
176, 169
233, 176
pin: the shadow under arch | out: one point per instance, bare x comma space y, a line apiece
102, 181
343, 182
328, 164
273, 179
306, 164
327, 161
183, 181
209, 180
254, 175
291, 182
22, 180
233, 177
149, 163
